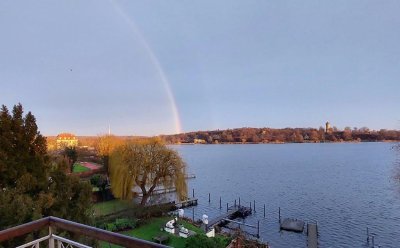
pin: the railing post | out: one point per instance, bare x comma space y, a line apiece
51, 239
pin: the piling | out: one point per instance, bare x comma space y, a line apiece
209, 197
279, 213
226, 207
254, 205
250, 205
264, 210
367, 236
193, 193
258, 229
235, 203
239, 201
220, 205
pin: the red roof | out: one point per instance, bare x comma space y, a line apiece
66, 136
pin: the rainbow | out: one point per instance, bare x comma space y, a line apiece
156, 63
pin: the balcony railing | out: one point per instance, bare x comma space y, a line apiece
52, 240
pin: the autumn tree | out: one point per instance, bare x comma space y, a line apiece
105, 145
347, 134
146, 164
314, 136
31, 187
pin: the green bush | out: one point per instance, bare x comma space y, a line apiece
119, 225
124, 223
202, 241
111, 227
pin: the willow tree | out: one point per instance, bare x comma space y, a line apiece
146, 164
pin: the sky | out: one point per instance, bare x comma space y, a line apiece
163, 67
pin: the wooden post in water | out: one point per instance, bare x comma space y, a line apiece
235, 203
279, 214
264, 210
220, 206
193, 193
239, 201
250, 205
254, 205
367, 236
226, 207
209, 198
258, 229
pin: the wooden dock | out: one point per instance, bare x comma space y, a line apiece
293, 225
187, 203
312, 235
190, 176
232, 213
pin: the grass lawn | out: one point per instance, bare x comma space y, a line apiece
148, 231
80, 168
108, 207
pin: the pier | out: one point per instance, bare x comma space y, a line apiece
190, 176
312, 235
187, 203
293, 225
232, 213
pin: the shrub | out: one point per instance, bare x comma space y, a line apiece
202, 241
119, 225
124, 223
111, 227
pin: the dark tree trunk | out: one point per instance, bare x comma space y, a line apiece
144, 199
105, 162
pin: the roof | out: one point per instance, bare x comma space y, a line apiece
66, 136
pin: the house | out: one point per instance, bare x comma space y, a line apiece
199, 141
66, 140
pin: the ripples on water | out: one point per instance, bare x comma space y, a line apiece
345, 187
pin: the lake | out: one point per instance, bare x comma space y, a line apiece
346, 187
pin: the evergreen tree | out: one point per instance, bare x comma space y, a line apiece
29, 187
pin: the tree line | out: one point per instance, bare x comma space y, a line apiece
285, 135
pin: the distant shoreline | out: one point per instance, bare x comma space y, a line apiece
282, 143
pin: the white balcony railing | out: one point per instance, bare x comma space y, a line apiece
54, 241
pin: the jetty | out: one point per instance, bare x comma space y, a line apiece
293, 225
232, 213
187, 203
312, 235
190, 176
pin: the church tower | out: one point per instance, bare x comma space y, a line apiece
327, 127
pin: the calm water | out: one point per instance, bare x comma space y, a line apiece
345, 187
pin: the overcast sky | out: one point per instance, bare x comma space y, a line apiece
139, 66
